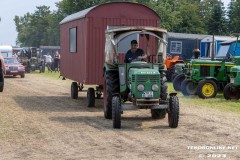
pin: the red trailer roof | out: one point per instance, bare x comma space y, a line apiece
85, 65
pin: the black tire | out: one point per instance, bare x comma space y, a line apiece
91, 97
231, 92
207, 89
177, 81
74, 90
173, 114
170, 72
174, 75
188, 88
1, 82
161, 113
116, 112
112, 87
23, 75
164, 87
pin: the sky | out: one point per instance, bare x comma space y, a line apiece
10, 8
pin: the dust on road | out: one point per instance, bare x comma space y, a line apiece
39, 120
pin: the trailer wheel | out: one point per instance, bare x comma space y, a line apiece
188, 87
207, 89
74, 90
230, 92
23, 75
116, 112
177, 81
91, 97
173, 114
111, 86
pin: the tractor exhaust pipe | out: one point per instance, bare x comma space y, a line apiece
213, 49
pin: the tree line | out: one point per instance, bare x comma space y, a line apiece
182, 16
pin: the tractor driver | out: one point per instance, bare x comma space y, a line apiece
134, 53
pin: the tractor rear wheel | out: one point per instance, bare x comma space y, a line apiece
74, 90
207, 89
91, 97
177, 81
231, 92
188, 87
116, 111
161, 113
23, 75
170, 73
173, 114
111, 87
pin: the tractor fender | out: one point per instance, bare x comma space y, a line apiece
213, 79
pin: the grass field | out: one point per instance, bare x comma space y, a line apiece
215, 103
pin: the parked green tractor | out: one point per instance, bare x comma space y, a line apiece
141, 83
206, 77
232, 89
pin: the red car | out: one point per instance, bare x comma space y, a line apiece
13, 67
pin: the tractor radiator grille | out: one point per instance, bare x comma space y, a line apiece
133, 78
144, 78
204, 71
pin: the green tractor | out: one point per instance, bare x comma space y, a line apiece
140, 84
206, 77
232, 89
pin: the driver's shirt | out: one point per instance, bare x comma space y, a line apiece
129, 57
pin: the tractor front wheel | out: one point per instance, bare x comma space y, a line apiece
207, 89
230, 92
173, 113
188, 87
177, 81
91, 97
116, 112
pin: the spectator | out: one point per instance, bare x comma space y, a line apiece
49, 62
56, 61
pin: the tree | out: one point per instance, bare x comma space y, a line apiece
233, 13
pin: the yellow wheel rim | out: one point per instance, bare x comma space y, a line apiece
208, 90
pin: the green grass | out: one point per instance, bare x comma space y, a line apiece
218, 102
52, 74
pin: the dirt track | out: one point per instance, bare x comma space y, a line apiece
39, 120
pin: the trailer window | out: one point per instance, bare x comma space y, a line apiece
176, 47
73, 40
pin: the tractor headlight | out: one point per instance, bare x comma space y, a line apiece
155, 87
140, 87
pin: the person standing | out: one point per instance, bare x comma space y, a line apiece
2, 72
49, 62
56, 61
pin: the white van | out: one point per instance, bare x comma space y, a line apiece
6, 51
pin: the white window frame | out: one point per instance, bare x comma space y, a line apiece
73, 40
178, 47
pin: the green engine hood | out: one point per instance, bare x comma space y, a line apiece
147, 78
